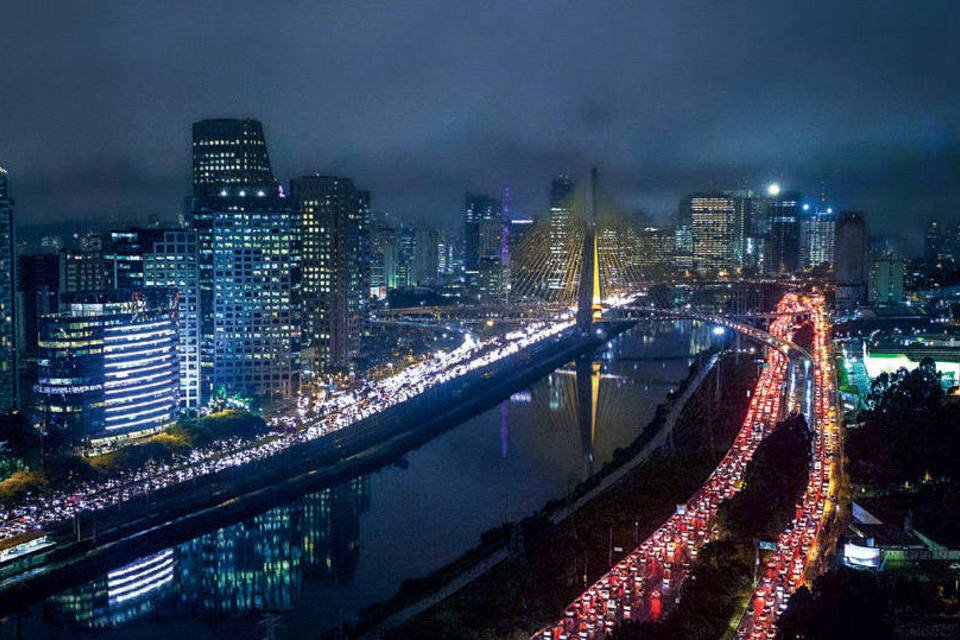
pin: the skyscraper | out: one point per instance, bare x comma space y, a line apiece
561, 227
782, 251
38, 285
406, 256
231, 170
817, 238
756, 229
850, 258
713, 219
123, 256
426, 256
256, 297
230, 153
653, 251
334, 218
483, 240
935, 247
446, 253
173, 262
83, 268
9, 398
383, 259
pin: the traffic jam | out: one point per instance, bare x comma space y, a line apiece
315, 417
799, 546
643, 584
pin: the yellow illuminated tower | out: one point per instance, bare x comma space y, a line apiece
589, 296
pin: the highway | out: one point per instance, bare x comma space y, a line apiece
644, 583
315, 416
800, 545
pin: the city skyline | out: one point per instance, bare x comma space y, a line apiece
655, 120
544, 320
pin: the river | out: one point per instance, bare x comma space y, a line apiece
300, 568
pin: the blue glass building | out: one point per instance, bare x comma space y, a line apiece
108, 369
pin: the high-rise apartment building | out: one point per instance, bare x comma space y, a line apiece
715, 233
173, 263
9, 383
334, 219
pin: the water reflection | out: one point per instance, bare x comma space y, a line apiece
257, 565
302, 563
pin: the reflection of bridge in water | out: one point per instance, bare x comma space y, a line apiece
597, 391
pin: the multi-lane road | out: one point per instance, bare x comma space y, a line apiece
314, 417
800, 546
645, 582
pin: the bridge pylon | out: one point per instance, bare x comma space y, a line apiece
588, 295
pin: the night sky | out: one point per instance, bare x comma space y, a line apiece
421, 101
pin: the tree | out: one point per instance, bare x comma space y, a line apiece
908, 429
23, 441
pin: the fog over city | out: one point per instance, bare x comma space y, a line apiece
421, 101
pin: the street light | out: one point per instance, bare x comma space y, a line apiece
773, 189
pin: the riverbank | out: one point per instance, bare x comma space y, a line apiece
504, 574
157, 521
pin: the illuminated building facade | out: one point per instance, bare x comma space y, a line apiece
715, 233
82, 268
256, 297
174, 263
230, 153
9, 397
108, 367
383, 259
123, 256
446, 254
230, 165
653, 251
334, 223
817, 238
483, 243
406, 256
123, 595
561, 226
